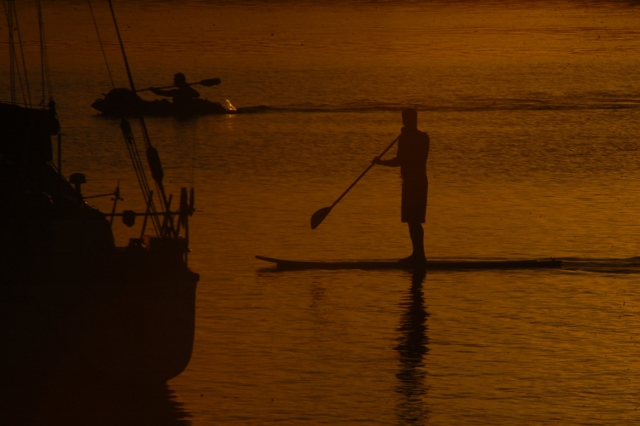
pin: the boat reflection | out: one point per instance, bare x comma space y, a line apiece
412, 346
74, 402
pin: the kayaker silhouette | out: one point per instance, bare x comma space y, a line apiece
413, 151
183, 92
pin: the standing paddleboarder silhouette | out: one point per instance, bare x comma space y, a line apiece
413, 151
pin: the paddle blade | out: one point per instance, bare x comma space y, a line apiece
210, 82
319, 216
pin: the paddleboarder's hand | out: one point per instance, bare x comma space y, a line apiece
376, 160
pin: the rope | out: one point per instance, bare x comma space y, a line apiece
44, 60
193, 163
124, 54
12, 21
12, 77
139, 169
151, 151
104, 54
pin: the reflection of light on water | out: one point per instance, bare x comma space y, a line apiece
230, 105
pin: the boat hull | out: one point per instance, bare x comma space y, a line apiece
132, 325
128, 328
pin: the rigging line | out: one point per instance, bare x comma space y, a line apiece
145, 133
193, 163
104, 54
143, 125
137, 164
136, 161
44, 60
192, 134
124, 55
144, 185
26, 97
12, 20
139, 170
8, 13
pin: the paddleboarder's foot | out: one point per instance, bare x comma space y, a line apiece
413, 260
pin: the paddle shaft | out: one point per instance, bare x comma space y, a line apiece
363, 173
208, 82
320, 215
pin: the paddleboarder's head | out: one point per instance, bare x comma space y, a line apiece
410, 118
179, 79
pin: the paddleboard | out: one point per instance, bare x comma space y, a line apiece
282, 264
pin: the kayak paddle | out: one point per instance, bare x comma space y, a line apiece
208, 82
318, 217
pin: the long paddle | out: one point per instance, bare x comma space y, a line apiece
318, 217
206, 82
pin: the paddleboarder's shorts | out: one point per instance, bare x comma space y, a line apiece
414, 201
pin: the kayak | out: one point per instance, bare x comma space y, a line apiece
282, 264
122, 102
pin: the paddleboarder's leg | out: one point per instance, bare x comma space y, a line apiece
413, 212
416, 232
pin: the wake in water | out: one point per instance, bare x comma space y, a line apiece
609, 266
597, 102
596, 265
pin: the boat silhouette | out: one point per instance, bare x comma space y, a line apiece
71, 300
123, 102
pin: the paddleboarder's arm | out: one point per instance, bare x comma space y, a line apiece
393, 162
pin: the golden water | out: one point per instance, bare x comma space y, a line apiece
532, 110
